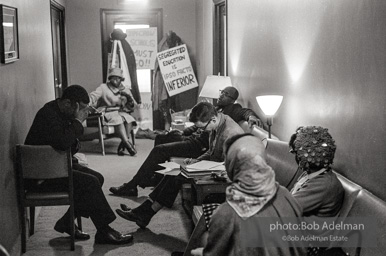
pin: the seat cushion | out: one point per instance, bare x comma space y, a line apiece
369, 206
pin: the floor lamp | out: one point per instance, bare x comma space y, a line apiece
269, 104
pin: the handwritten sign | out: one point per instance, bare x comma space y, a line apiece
143, 41
176, 70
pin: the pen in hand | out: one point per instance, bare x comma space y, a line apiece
187, 161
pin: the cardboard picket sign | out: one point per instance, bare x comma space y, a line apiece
143, 41
176, 70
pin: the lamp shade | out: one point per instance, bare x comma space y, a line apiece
269, 103
213, 85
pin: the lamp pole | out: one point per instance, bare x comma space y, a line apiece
269, 123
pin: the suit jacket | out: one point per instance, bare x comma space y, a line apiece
227, 128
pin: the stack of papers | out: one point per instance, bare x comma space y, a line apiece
202, 168
197, 169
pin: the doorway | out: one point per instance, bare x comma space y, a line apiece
58, 48
111, 19
127, 19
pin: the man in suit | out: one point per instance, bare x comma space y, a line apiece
188, 144
59, 124
206, 118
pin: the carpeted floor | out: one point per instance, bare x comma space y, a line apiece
168, 231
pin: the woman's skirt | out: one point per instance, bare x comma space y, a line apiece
117, 117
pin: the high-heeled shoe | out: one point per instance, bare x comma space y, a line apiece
120, 149
130, 148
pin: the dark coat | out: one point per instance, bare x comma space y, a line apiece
117, 34
225, 229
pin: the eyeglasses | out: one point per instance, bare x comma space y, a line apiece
225, 93
201, 129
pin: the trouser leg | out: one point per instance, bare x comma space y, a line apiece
90, 200
167, 190
87, 170
161, 154
166, 138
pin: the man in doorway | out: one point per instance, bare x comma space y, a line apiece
189, 145
59, 124
206, 118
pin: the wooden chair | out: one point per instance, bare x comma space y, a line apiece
42, 163
104, 131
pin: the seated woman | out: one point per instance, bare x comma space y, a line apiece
318, 190
115, 101
254, 193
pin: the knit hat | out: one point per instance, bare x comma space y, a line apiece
314, 147
116, 72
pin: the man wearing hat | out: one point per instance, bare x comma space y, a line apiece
115, 101
191, 146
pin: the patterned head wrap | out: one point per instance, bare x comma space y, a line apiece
314, 147
253, 181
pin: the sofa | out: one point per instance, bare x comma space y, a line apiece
358, 202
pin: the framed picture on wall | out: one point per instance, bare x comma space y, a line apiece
9, 40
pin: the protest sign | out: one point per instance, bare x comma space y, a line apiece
176, 70
143, 41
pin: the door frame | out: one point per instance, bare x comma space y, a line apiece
63, 46
220, 37
153, 17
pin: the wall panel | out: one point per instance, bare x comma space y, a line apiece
25, 85
328, 59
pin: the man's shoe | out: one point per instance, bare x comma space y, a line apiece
112, 236
79, 234
124, 190
125, 207
141, 221
140, 215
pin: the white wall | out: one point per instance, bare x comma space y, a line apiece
25, 86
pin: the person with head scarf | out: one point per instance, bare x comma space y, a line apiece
318, 189
254, 193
